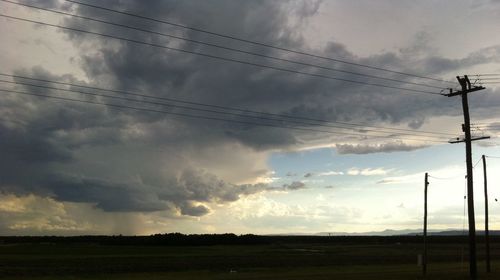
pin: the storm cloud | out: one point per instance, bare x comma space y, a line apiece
137, 161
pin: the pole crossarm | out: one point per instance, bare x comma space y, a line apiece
460, 92
458, 140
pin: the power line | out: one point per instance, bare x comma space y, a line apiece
254, 42
493, 124
219, 57
225, 47
496, 123
152, 110
189, 115
222, 107
224, 113
446, 178
486, 123
479, 160
491, 128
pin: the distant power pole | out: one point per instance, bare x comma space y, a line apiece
466, 88
486, 226
424, 258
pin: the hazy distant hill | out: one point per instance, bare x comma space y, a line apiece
391, 232
387, 232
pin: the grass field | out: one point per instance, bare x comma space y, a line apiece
267, 261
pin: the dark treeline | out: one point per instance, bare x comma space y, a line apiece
178, 239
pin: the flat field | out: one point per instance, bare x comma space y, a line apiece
279, 259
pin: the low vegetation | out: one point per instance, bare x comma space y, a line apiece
177, 256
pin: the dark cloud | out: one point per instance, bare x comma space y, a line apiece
307, 175
192, 210
126, 160
21, 146
129, 195
179, 74
77, 153
109, 196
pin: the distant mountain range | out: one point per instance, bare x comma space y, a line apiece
391, 232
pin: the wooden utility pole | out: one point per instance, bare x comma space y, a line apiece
466, 88
486, 226
424, 258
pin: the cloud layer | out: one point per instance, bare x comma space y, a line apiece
137, 161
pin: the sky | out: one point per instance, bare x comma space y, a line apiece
139, 167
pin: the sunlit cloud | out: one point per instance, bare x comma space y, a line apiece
368, 171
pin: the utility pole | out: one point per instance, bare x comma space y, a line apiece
486, 226
466, 88
424, 258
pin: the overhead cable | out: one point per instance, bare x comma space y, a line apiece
224, 113
194, 116
176, 100
225, 47
254, 42
220, 57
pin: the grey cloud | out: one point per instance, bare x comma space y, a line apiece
192, 210
417, 123
307, 175
72, 153
380, 148
488, 4
421, 46
199, 186
296, 185
130, 196
187, 74
308, 8
49, 4
483, 56
387, 181
487, 144
82, 153
269, 90
109, 196
21, 146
